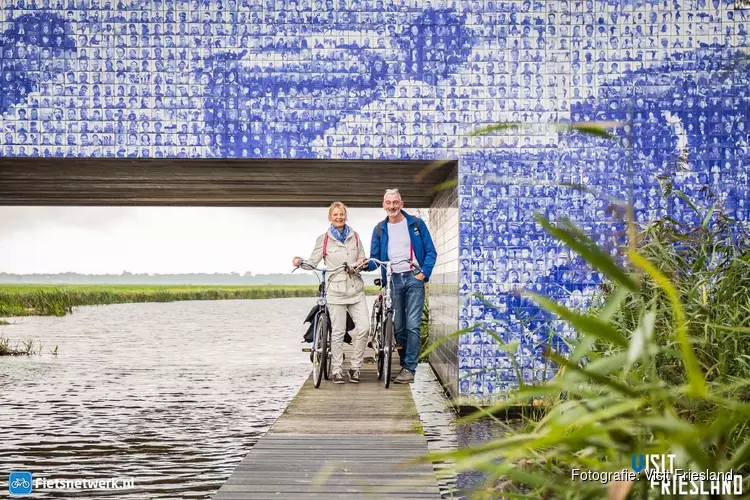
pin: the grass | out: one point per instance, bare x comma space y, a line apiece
417, 426
27, 348
59, 300
424, 324
660, 365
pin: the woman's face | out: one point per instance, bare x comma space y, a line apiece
337, 218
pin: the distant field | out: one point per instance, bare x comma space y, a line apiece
59, 300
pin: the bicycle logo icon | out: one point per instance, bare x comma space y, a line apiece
20, 483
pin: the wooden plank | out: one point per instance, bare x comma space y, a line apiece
361, 439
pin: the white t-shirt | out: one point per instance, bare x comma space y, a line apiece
399, 245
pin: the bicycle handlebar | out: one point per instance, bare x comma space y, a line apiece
392, 263
309, 267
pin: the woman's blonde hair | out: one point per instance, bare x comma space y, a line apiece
336, 204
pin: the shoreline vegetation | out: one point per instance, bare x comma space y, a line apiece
59, 300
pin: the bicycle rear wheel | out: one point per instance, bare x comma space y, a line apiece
388, 336
320, 350
376, 334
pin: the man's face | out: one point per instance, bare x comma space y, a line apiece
392, 204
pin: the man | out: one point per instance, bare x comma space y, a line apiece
402, 237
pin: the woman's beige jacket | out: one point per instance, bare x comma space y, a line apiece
343, 288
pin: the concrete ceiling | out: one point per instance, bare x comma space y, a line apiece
216, 182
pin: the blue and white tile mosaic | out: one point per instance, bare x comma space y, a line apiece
384, 79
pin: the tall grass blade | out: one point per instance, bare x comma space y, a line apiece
693, 369
586, 324
594, 255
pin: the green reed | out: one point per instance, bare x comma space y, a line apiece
23, 348
661, 365
42, 300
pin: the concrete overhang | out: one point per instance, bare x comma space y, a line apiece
216, 182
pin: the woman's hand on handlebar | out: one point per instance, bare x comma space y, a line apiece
361, 265
296, 261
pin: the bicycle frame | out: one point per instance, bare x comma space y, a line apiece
386, 341
322, 300
388, 299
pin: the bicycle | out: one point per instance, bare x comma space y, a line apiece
21, 483
320, 352
382, 326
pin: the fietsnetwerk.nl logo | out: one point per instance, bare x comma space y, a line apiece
23, 483
20, 483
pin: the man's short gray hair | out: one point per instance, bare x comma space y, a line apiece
392, 191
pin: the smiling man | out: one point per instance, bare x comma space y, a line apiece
402, 239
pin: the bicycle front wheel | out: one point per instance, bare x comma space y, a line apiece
388, 336
376, 336
320, 350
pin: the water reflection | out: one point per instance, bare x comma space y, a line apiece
171, 394
445, 433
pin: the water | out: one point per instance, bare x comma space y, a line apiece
444, 433
170, 394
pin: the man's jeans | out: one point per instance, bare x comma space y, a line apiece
408, 302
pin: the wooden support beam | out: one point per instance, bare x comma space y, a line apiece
214, 182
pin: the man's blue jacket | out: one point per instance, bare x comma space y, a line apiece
421, 242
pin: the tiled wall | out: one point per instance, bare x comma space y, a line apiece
410, 79
443, 292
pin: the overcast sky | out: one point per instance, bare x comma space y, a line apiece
99, 240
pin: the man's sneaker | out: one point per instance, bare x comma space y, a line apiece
354, 376
338, 378
405, 377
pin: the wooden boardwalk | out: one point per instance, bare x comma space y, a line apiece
339, 441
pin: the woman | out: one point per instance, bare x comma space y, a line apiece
345, 292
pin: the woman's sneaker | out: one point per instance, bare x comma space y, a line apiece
338, 378
354, 376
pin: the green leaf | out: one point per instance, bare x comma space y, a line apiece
612, 306
642, 337
589, 325
435, 343
685, 198
587, 249
582, 348
707, 219
593, 376
444, 185
693, 369
510, 347
598, 129
608, 364
741, 457
495, 127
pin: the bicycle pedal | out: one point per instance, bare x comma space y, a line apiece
369, 360
306, 349
399, 347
